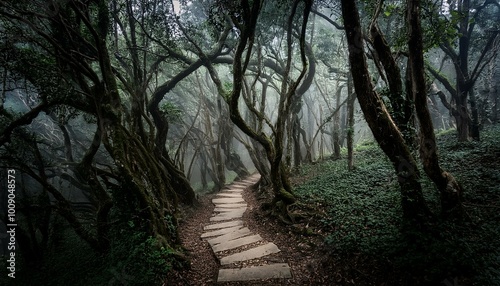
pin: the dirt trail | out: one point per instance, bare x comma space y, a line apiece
301, 253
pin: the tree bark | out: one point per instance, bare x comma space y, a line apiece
383, 128
401, 104
350, 124
336, 127
448, 187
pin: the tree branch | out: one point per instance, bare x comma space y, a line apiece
335, 24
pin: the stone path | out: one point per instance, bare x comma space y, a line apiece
227, 232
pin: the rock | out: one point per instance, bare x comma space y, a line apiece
229, 236
236, 243
278, 270
223, 224
220, 231
251, 253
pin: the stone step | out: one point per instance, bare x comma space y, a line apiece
251, 253
277, 270
229, 236
232, 212
227, 215
241, 185
233, 190
236, 243
250, 182
221, 231
223, 225
245, 181
227, 200
229, 209
229, 195
231, 206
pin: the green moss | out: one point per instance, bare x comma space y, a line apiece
287, 197
446, 132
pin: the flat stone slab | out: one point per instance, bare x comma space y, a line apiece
277, 270
251, 253
234, 190
247, 181
223, 225
223, 218
229, 236
227, 200
236, 243
243, 185
233, 212
220, 231
227, 215
229, 195
230, 206
243, 182
230, 209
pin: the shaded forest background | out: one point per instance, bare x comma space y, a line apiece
117, 115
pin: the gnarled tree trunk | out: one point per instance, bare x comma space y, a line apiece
447, 185
384, 130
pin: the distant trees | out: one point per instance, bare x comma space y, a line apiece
210, 132
245, 17
465, 29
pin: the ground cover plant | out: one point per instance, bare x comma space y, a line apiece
367, 241
134, 260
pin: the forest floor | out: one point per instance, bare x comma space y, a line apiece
353, 234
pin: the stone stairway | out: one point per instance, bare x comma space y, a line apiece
230, 239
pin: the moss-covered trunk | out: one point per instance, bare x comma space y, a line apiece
448, 187
144, 179
384, 130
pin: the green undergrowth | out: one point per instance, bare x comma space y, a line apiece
134, 259
365, 232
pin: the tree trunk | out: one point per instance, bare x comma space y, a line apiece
226, 130
393, 75
409, 112
350, 124
474, 128
143, 176
336, 127
494, 88
257, 153
203, 171
384, 130
462, 120
447, 185
297, 154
